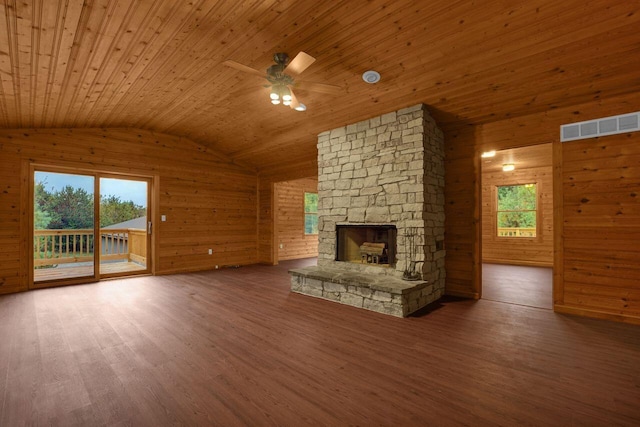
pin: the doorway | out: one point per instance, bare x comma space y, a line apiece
517, 284
88, 226
517, 226
296, 219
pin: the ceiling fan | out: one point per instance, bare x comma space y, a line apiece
281, 78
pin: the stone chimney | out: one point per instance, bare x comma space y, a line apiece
385, 170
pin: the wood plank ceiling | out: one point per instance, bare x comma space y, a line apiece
157, 64
532, 156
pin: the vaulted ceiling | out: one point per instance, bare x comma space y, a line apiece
158, 64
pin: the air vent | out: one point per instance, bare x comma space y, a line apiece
600, 127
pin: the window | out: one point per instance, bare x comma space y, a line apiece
310, 213
516, 214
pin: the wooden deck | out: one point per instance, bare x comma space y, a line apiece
67, 271
235, 347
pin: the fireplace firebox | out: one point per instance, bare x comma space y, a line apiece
366, 244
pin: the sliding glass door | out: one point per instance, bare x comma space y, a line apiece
87, 226
124, 226
63, 226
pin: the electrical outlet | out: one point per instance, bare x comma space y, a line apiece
216, 266
281, 246
210, 251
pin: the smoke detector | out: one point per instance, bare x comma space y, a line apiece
371, 76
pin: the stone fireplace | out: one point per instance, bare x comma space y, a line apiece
374, 176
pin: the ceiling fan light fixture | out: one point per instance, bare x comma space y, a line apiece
282, 74
371, 76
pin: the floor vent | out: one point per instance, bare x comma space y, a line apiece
600, 127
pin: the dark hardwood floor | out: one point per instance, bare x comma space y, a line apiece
514, 284
235, 347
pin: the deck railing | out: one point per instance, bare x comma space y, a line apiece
51, 247
516, 232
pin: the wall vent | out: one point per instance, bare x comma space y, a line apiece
600, 127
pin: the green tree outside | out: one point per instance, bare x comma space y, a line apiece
113, 210
41, 218
310, 213
517, 206
70, 208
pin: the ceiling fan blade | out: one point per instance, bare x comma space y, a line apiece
294, 100
320, 87
300, 63
244, 68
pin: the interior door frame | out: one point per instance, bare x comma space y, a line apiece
556, 283
152, 216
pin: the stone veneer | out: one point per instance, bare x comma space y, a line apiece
385, 170
381, 293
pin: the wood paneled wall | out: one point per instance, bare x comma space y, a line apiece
519, 251
266, 223
462, 213
601, 225
614, 295
290, 219
209, 202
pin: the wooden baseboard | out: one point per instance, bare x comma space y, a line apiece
462, 294
197, 270
298, 256
12, 290
596, 314
517, 262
